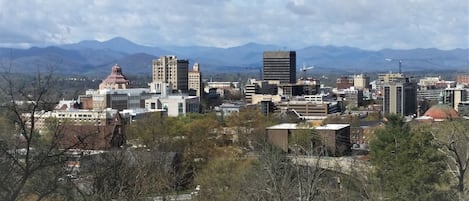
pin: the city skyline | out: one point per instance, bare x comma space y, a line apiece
370, 25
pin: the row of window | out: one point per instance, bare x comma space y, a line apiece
75, 115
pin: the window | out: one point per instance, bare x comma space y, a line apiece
180, 108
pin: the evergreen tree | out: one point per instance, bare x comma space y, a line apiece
407, 161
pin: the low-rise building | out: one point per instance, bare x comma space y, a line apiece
226, 109
83, 129
174, 105
119, 99
344, 82
309, 109
351, 97
329, 140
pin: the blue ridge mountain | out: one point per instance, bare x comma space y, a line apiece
94, 57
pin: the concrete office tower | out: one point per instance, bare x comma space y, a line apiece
280, 65
169, 69
195, 81
454, 96
400, 98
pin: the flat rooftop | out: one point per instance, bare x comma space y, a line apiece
332, 126
284, 126
292, 126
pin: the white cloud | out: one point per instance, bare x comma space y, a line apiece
368, 24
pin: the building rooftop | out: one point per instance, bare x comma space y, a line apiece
332, 126
115, 78
290, 126
441, 112
293, 126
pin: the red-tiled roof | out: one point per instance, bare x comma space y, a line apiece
116, 76
441, 112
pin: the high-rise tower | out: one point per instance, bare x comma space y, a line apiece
280, 65
400, 97
195, 81
169, 69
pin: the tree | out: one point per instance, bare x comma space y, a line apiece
249, 125
150, 131
407, 161
223, 176
26, 156
453, 135
274, 176
199, 141
128, 174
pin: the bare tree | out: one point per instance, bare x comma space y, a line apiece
30, 163
125, 174
453, 135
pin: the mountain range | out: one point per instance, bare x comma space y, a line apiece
92, 57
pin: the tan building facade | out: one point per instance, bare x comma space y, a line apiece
390, 77
170, 69
361, 81
195, 80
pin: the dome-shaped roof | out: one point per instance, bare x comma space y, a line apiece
441, 112
115, 80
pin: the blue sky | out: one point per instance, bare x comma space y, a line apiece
367, 24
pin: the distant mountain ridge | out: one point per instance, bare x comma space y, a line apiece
92, 57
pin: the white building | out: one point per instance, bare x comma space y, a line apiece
174, 105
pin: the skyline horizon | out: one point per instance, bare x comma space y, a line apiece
369, 25
284, 48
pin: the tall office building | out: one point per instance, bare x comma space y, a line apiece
454, 96
195, 81
169, 69
400, 97
280, 65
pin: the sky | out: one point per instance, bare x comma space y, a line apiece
366, 24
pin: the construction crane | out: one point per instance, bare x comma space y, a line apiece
406, 60
400, 63
304, 69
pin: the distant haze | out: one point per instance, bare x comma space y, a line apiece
294, 24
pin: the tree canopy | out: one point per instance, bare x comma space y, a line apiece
407, 161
